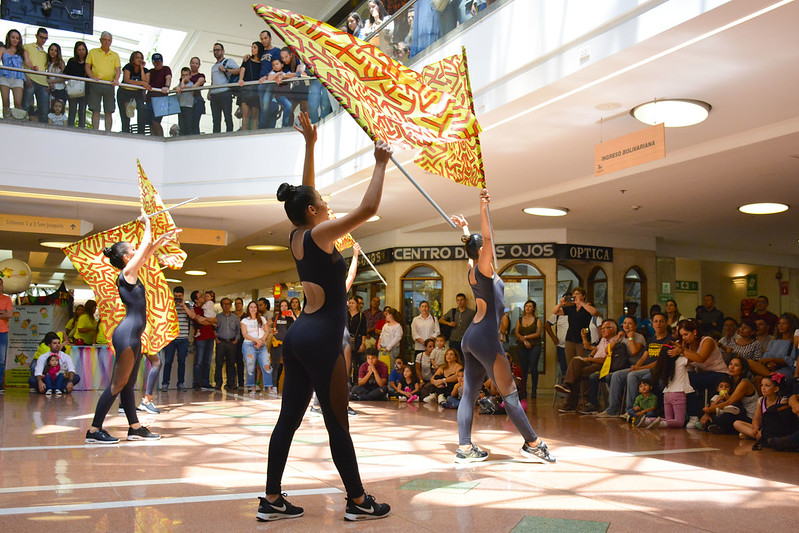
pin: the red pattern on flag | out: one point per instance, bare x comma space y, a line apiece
384, 97
344, 242
461, 161
88, 258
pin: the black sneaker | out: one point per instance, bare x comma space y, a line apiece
281, 508
472, 455
368, 510
100, 436
538, 453
563, 388
351, 411
715, 429
142, 434
589, 409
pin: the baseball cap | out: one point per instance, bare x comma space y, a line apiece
158, 57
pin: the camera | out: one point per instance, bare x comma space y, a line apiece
569, 299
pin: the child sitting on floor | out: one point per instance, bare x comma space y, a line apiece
644, 406
407, 387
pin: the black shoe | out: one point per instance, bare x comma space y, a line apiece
142, 434
538, 453
196, 387
567, 410
100, 436
715, 429
781, 444
368, 510
181, 388
563, 388
281, 508
589, 409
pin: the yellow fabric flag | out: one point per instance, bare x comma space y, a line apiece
605, 370
387, 99
460, 161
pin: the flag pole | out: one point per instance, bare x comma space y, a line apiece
173, 207
491, 229
424, 193
374, 268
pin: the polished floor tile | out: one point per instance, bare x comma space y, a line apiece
209, 468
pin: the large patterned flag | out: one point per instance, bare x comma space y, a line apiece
342, 243
88, 258
460, 161
387, 99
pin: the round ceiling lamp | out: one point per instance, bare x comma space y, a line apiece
266, 248
672, 112
763, 208
546, 211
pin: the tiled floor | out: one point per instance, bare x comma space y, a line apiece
207, 471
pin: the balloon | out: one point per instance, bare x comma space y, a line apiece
16, 276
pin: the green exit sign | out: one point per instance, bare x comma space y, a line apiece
690, 286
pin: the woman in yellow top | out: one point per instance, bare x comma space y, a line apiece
72, 322
86, 329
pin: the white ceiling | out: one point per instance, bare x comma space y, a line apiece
747, 151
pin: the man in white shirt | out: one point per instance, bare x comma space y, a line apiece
423, 326
67, 366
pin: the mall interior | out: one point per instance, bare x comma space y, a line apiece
552, 82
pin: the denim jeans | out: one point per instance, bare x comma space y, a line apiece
318, 101
59, 383
203, 351
622, 380
42, 100
3, 350
259, 356
34, 384
268, 116
285, 103
181, 346
528, 361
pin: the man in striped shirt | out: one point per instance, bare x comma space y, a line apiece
179, 344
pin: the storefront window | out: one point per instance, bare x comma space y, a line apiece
420, 283
523, 281
634, 293
367, 285
598, 290
568, 280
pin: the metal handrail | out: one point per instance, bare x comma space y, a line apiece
140, 88
389, 20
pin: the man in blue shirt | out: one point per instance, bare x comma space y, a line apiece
268, 116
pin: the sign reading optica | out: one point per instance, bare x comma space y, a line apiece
630, 150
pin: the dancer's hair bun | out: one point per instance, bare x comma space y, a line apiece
107, 251
285, 191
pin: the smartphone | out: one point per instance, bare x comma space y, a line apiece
287, 313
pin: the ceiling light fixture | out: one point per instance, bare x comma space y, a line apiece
195, 272
228, 261
546, 211
55, 244
173, 280
672, 112
373, 219
764, 208
266, 248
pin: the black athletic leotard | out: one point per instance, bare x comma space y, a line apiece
313, 361
480, 347
127, 343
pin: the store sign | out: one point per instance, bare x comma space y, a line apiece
46, 225
630, 150
504, 251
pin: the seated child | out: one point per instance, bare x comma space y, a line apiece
424, 362
54, 378
407, 387
56, 115
454, 398
644, 406
372, 379
437, 355
395, 376
773, 416
723, 391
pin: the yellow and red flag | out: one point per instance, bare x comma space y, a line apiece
386, 99
342, 243
461, 161
88, 258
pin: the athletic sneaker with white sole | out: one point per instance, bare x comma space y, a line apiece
100, 436
472, 455
538, 453
368, 510
142, 434
277, 510
148, 407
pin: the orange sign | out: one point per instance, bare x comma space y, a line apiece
277, 291
630, 150
212, 237
44, 225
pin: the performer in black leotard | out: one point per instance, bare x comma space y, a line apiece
127, 335
482, 352
312, 349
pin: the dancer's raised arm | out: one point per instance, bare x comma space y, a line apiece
308, 131
486, 259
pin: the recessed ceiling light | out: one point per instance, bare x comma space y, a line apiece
373, 219
173, 280
195, 272
267, 248
55, 244
228, 261
765, 208
546, 211
673, 113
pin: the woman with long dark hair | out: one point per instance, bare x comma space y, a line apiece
312, 355
127, 335
529, 334
12, 54
248, 96
482, 352
76, 66
55, 65
133, 73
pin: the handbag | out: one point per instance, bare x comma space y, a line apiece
76, 88
439, 5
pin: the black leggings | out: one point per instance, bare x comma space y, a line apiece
313, 361
127, 396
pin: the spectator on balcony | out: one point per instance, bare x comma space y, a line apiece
377, 16
186, 100
198, 80
299, 88
222, 98
160, 81
281, 90
55, 65
268, 114
11, 82
36, 85
56, 116
76, 66
355, 25
248, 96
129, 100
102, 64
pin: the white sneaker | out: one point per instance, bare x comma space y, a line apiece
442, 398
48, 392
58, 392
692, 421
430, 398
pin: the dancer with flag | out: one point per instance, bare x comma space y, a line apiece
312, 356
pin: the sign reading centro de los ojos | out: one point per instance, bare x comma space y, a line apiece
548, 250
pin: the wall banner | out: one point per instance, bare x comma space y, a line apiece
547, 250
